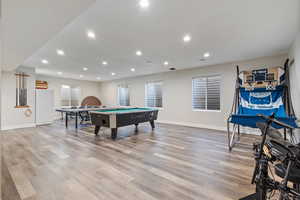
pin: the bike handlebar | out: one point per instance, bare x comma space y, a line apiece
273, 120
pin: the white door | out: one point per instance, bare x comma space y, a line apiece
44, 106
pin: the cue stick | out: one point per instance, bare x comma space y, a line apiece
25, 90
21, 92
17, 92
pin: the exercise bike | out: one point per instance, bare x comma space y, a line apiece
284, 156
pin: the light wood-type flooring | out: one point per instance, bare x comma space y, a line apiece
170, 163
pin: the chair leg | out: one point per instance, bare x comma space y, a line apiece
231, 137
239, 133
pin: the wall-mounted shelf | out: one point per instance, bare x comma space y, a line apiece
22, 106
22, 75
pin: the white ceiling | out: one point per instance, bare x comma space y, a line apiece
28, 24
230, 30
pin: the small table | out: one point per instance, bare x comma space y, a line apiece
115, 118
76, 112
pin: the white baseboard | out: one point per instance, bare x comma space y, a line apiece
44, 123
195, 125
250, 131
245, 130
29, 125
57, 118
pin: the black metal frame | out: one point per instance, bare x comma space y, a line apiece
71, 114
260, 175
232, 140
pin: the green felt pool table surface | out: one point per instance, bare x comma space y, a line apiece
123, 110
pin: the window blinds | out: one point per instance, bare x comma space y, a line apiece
206, 93
123, 96
70, 96
153, 96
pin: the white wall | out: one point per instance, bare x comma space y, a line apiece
295, 78
1, 63
177, 92
12, 117
295, 74
88, 88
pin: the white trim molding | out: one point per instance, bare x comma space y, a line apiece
191, 124
244, 130
44, 123
29, 125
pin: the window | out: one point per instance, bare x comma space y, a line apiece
153, 94
70, 96
65, 94
206, 93
75, 96
123, 95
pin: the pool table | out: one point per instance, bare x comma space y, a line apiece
119, 117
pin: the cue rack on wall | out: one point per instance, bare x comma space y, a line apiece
21, 90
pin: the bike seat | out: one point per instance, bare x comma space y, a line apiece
294, 175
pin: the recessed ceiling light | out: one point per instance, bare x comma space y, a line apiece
132, 69
113, 73
80, 75
60, 52
85, 69
44, 61
144, 3
166, 63
98, 78
206, 55
104, 63
138, 53
59, 73
187, 38
91, 34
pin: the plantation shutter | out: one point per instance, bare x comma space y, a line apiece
153, 96
123, 96
213, 93
206, 93
199, 93
65, 95
75, 96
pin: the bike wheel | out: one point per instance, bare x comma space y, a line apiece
261, 183
261, 193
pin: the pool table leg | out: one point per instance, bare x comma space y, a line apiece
136, 127
152, 124
114, 132
66, 120
76, 121
97, 128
